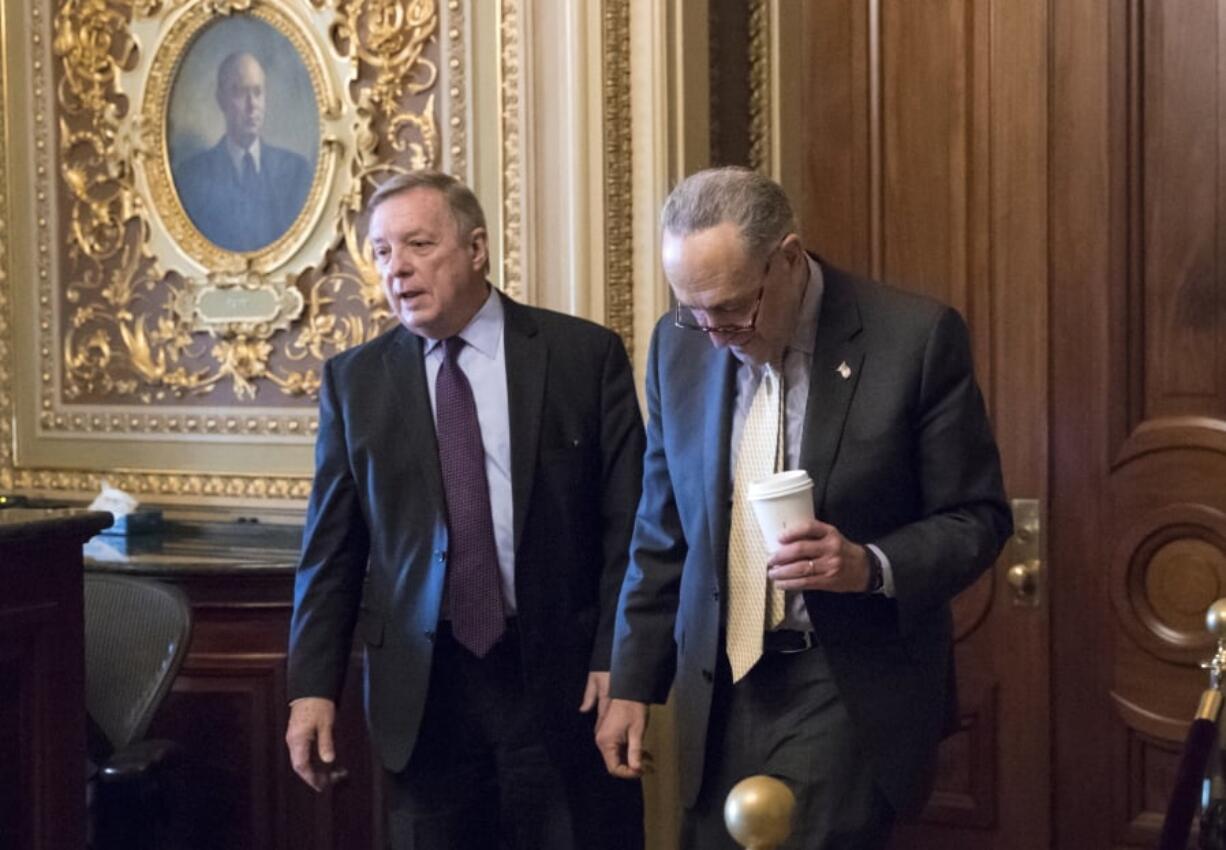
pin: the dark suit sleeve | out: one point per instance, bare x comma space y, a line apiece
966, 519
621, 448
335, 547
644, 653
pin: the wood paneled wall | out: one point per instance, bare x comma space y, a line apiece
1054, 170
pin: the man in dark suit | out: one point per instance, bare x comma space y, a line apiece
243, 193
477, 471
828, 662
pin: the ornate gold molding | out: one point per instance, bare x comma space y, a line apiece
618, 172
270, 319
510, 101
457, 88
33, 429
759, 85
84, 107
6, 302
160, 485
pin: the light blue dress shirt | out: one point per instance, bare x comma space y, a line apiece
797, 363
483, 362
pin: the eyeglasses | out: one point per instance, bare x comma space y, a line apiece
683, 316
680, 320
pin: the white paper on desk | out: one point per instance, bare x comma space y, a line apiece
96, 549
114, 500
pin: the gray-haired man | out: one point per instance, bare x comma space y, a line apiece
477, 469
827, 663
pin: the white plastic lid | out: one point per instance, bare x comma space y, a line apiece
780, 484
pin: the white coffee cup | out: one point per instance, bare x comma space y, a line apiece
781, 501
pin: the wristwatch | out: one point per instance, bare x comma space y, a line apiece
876, 578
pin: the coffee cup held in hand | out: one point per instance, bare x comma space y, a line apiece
781, 501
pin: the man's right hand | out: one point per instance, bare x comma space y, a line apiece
310, 723
619, 738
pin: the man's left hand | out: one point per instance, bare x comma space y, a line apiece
816, 556
596, 694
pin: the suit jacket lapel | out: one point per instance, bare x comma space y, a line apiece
837, 360
719, 370
527, 358
406, 373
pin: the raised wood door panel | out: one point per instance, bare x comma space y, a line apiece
925, 165
228, 709
1139, 396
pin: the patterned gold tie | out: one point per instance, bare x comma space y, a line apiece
748, 604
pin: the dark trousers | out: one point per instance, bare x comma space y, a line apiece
480, 777
786, 719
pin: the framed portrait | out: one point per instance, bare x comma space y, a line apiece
142, 339
242, 133
190, 178
238, 106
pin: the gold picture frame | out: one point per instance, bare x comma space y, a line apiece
120, 76
189, 251
138, 347
82, 186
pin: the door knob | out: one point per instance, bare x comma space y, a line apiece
1025, 573
1023, 578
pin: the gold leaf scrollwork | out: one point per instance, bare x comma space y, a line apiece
390, 35
135, 328
91, 41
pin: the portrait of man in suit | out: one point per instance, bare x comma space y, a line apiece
243, 193
477, 472
828, 662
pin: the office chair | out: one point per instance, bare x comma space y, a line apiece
136, 636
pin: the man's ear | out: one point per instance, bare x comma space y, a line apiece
791, 247
479, 244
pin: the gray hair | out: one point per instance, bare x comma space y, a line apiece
464, 206
754, 203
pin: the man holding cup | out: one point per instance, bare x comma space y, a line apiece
820, 651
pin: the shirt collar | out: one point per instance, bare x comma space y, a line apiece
484, 331
804, 337
236, 154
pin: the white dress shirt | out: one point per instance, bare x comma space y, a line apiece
236, 155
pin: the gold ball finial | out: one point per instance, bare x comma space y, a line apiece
758, 812
1215, 619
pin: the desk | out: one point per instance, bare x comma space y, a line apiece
42, 677
228, 705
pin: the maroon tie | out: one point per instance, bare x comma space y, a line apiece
474, 592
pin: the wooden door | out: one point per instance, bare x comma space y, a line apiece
1138, 379
926, 165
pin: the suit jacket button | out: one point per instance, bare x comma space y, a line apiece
429, 634
441, 555
715, 594
707, 675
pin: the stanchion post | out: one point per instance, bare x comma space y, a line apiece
758, 812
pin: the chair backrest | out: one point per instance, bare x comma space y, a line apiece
136, 635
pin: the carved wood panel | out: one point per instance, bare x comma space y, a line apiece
42, 679
1139, 389
16, 731
228, 709
1166, 515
